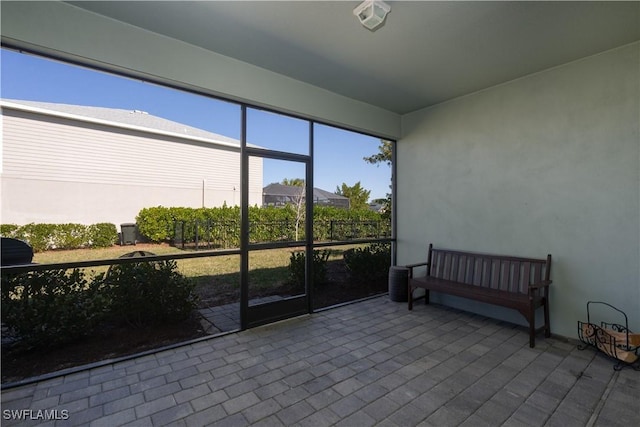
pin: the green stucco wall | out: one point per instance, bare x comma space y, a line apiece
549, 163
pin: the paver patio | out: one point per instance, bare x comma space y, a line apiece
364, 364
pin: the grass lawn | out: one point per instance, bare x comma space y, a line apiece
195, 267
217, 278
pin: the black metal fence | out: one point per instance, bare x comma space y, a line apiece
208, 234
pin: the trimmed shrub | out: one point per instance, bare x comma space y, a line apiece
69, 236
155, 223
102, 235
48, 308
331, 223
268, 224
43, 237
9, 230
148, 293
297, 267
369, 264
39, 236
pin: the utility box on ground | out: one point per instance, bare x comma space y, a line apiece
128, 234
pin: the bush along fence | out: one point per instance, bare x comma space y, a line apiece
43, 237
220, 227
208, 228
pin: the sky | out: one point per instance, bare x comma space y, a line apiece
338, 153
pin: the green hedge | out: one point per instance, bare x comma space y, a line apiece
49, 308
369, 264
44, 237
297, 267
148, 293
222, 224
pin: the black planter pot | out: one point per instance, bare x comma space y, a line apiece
398, 277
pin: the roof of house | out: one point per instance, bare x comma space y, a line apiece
319, 195
135, 119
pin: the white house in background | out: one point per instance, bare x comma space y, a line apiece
70, 163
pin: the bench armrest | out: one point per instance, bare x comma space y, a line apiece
539, 285
416, 265
412, 266
535, 287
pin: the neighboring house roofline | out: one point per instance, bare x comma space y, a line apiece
283, 194
278, 189
213, 139
318, 193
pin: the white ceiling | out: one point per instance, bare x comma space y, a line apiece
426, 52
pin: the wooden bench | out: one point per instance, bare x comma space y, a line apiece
518, 283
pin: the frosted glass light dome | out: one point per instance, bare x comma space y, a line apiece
371, 13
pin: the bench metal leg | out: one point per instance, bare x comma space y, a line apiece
547, 324
531, 318
410, 291
411, 299
532, 333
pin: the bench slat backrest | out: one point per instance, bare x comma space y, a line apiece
507, 273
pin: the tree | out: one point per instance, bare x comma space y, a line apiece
358, 196
298, 201
384, 155
293, 182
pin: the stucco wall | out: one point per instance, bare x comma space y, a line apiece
549, 163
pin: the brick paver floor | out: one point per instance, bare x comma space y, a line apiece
372, 363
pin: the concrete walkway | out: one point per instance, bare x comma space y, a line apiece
365, 364
226, 318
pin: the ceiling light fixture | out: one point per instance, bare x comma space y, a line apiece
371, 13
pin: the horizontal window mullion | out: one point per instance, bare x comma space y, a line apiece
115, 261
